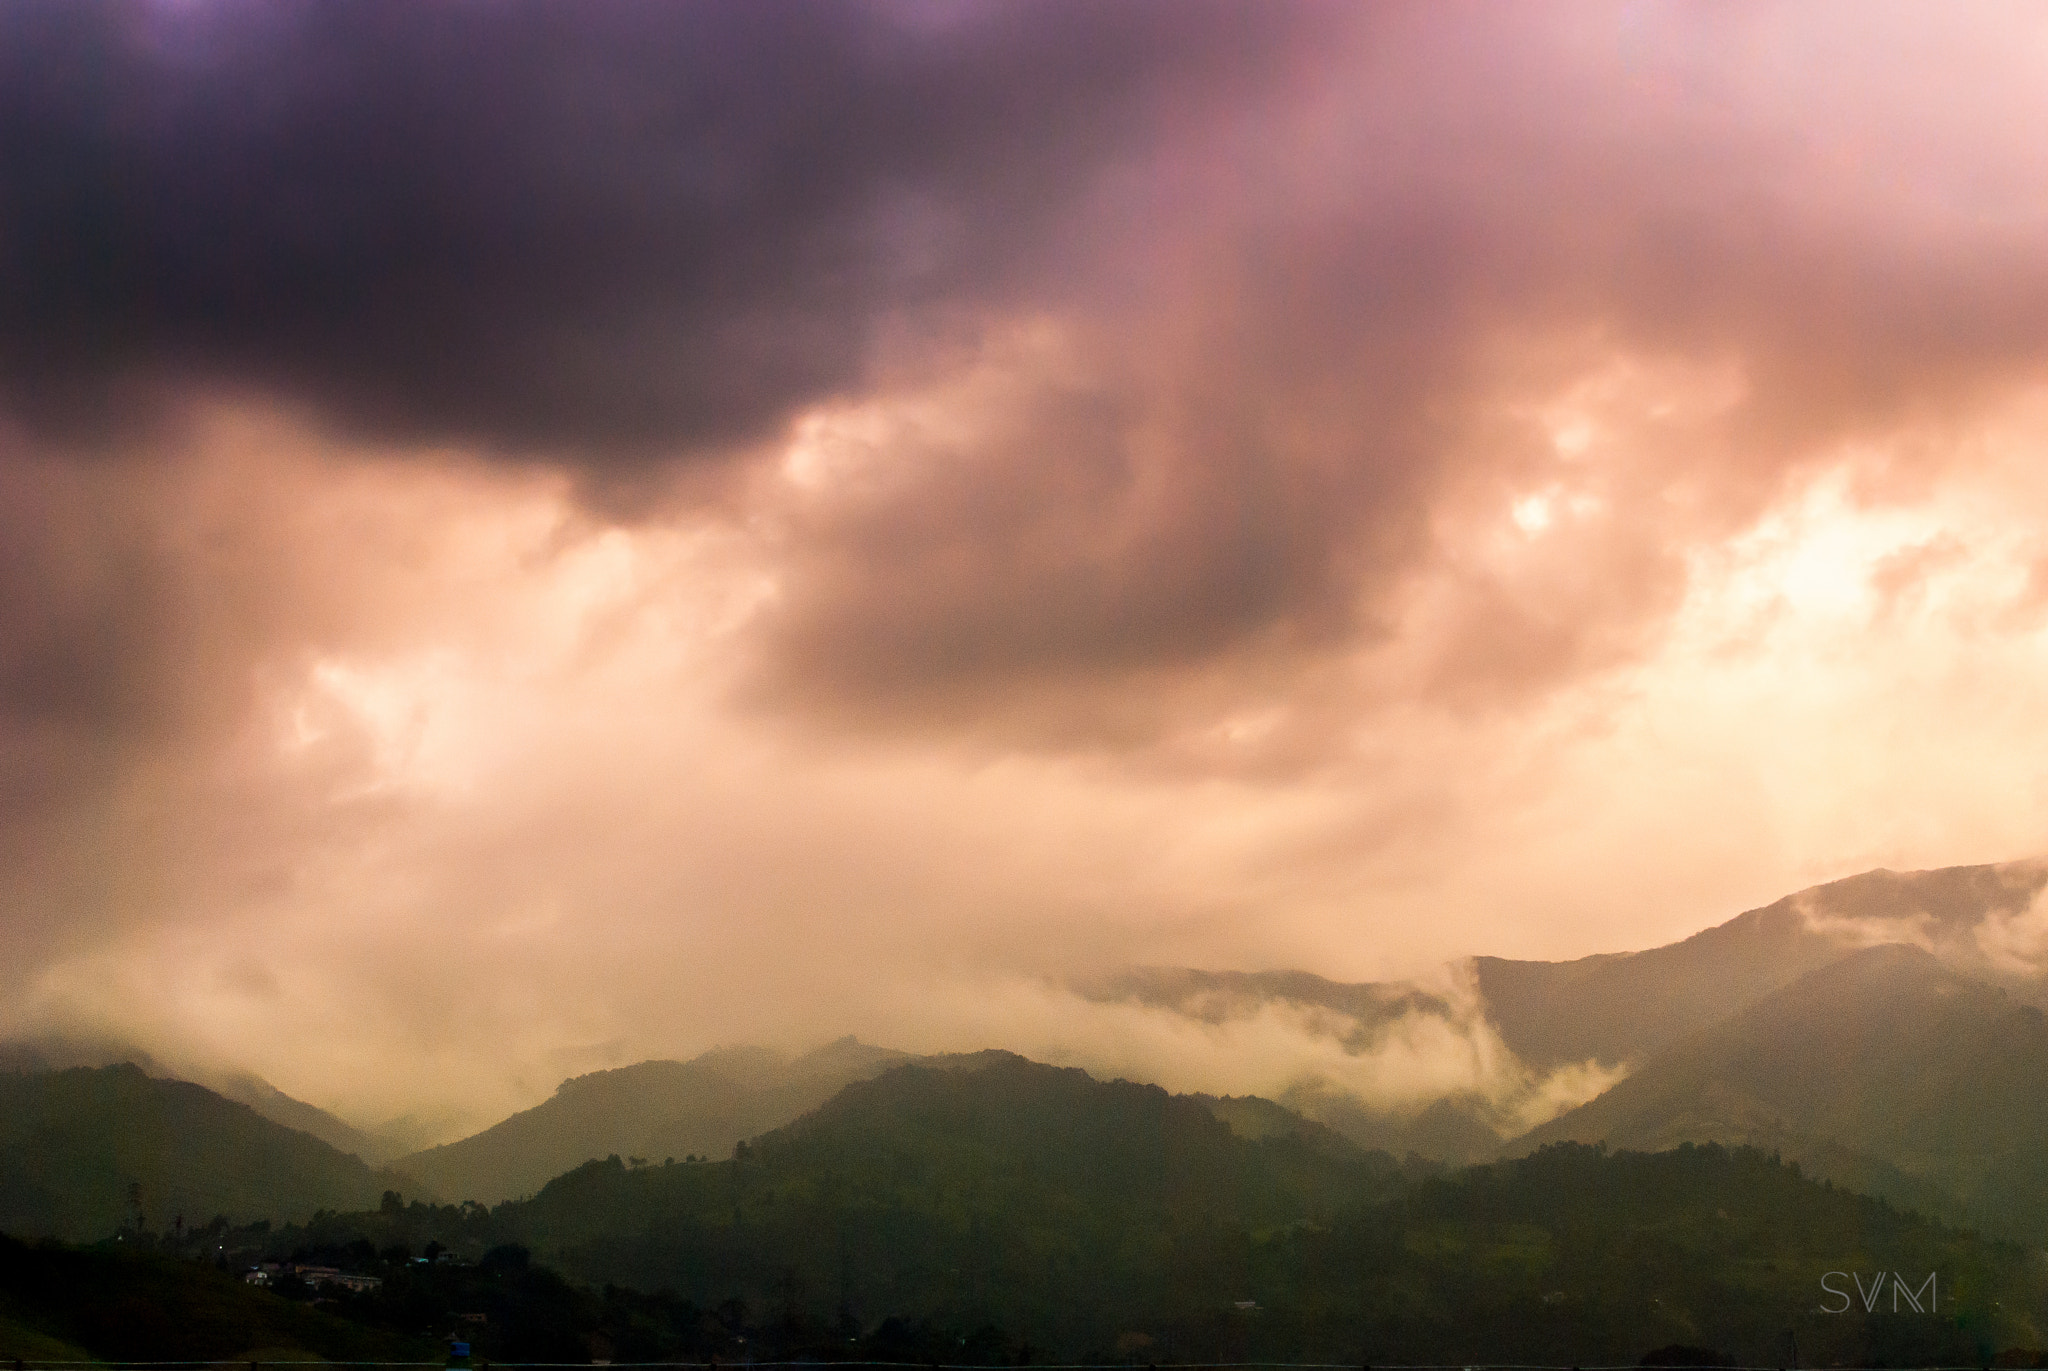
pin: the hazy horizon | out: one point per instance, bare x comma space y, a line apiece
536, 539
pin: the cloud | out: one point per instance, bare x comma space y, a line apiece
647, 229
2015, 941
1987, 922
1329, 1049
1171, 338
525, 534
1599, 270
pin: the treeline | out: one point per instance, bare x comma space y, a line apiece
1024, 1211
112, 1302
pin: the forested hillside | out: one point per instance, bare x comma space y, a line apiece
1886, 1071
87, 1151
1014, 1205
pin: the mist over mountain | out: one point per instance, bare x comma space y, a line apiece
1017, 1209
986, 1140
1886, 1071
656, 1110
1515, 1043
1287, 598
1714, 1038
58, 1051
1217, 997
1395, 1066
85, 1151
1458, 1129
1449, 1068
535, 538
1620, 1008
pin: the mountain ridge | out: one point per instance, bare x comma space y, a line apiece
1933, 1083
88, 1150
57, 1052
657, 1110
1617, 1010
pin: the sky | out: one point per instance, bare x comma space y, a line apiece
538, 536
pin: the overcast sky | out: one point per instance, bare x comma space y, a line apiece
536, 536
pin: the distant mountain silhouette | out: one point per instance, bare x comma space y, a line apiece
655, 1110
56, 1052
273, 1104
1884, 1070
86, 1150
1621, 1007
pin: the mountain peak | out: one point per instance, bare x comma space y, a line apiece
653, 1109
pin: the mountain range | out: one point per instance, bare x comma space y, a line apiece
1619, 1008
1884, 1031
990, 1210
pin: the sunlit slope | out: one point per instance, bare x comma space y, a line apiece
655, 1110
1885, 1070
1623, 1007
86, 1150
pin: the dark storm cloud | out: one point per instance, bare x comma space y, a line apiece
602, 228
1304, 264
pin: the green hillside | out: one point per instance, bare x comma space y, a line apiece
1002, 1194
86, 1151
1577, 1255
977, 1190
654, 1110
1884, 1071
978, 1208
